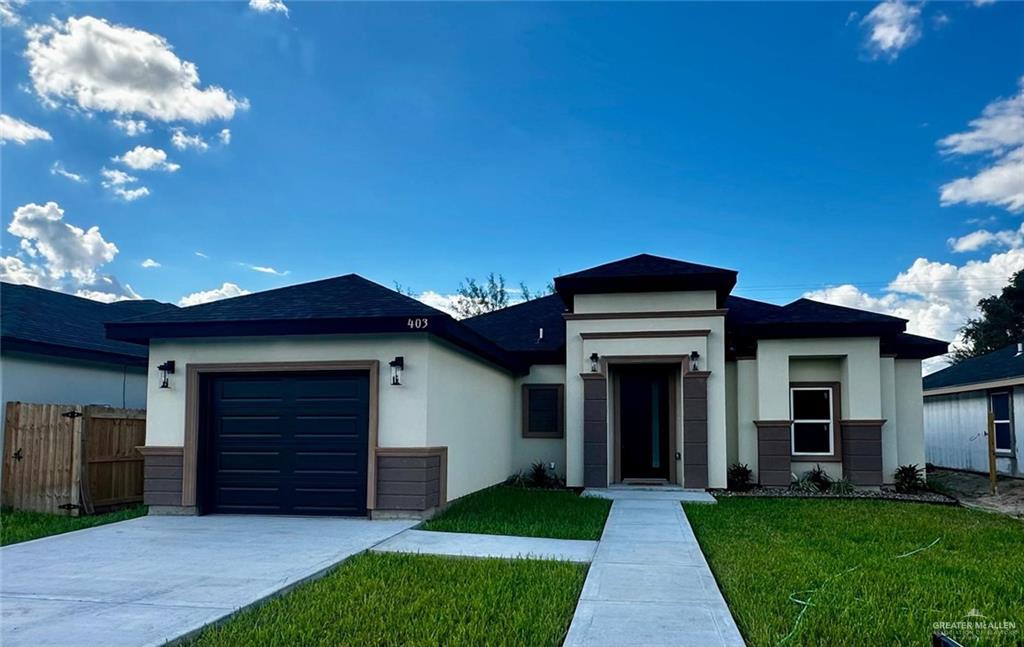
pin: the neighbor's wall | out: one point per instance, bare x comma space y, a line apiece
527, 451
954, 427
52, 380
470, 411
403, 409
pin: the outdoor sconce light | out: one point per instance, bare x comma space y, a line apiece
167, 368
397, 365
694, 356
595, 363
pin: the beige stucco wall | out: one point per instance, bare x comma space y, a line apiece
447, 397
527, 451
644, 301
470, 411
746, 412
909, 413
712, 352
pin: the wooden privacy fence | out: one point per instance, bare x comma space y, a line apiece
70, 459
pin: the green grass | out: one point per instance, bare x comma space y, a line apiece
20, 525
503, 510
850, 561
387, 599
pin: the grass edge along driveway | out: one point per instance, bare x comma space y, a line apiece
22, 525
386, 599
799, 572
505, 510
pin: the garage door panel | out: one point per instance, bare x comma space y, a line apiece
289, 444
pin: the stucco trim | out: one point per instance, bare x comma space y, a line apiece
644, 334
193, 372
657, 314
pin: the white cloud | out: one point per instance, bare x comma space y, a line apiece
117, 180
93, 65
8, 16
149, 262
267, 6
201, 255
892, 26
264, 269
936, 298
131, 127
182, 141
225, 136
57, 168
20, 132
982, 3
976, 240
443, 302
60, 256
225, 291
144, 158
998, 134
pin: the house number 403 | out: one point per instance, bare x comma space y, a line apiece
417, 324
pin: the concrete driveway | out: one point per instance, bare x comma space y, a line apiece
154, 579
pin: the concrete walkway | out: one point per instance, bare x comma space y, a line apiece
153, 579
649, 584
461, 544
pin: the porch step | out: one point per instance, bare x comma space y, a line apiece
633, 493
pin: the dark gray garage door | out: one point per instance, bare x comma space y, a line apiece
290, 443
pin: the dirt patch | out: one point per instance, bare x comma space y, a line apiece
971, 490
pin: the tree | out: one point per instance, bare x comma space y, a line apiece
1001, 322
478, 297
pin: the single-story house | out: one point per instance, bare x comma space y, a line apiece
957, 402
342, 396
54, 349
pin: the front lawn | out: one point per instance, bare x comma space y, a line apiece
390, 599
21, 525
848, 572
504, 510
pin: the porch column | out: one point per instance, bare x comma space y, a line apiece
773, 452
595, 430
695, 429
862, 451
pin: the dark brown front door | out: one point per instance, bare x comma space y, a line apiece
644, 422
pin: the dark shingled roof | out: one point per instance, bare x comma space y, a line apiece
35, 320
517, 329
340, 305
646, 273
997, 365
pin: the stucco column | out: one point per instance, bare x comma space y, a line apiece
890, 430
746, 412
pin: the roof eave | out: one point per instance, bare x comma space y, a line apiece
28, 346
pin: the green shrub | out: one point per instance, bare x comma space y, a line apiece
841, 486
910, 478
813, 481
739, 477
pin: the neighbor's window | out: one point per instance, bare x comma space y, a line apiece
543, 411
811, 408
1000, 404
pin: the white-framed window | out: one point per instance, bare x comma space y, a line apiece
812, 432
1001, 405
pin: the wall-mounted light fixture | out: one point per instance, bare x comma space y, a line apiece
397, 365
167, 368
694, 356
595, 363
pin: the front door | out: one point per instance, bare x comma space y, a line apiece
644, 423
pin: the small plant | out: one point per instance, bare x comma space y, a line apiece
910, 478
813, 481
841, 486
516, 480
542, 476
739, 477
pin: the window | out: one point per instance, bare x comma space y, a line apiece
813, 424
543, 411
1000, 407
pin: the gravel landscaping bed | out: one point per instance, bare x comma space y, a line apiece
884, 494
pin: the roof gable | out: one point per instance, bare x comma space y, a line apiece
646, 273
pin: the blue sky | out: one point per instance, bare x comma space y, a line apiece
804, 144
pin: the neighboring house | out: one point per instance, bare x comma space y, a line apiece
957, 403
54, 349
341, 396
